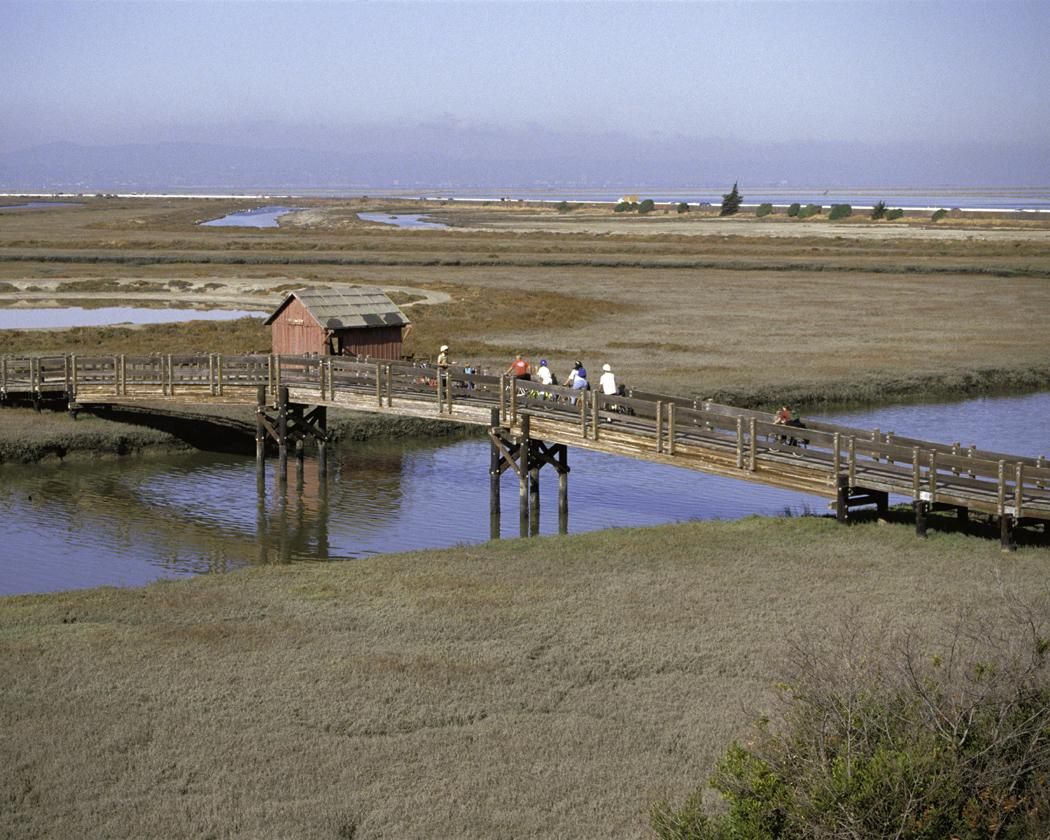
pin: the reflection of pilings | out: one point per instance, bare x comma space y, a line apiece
262, 527
322, 441
494, 474
563, 491
322, 521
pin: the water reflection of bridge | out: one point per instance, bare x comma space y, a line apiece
530, 429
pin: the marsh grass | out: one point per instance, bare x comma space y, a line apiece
751, 317
552, 687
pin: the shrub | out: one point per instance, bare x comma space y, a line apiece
810, 210
893, 735
895, 213
840, 211
731, 202
879, 210
564, 207
622, 207
682, 207
647, 206
794, 209
938, 215
764, 210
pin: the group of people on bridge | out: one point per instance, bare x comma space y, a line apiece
521, 369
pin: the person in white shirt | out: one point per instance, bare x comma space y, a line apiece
607, 382
543, 374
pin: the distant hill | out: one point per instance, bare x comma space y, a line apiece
564, 162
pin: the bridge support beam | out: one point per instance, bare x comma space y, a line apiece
525, 457
921, 510
1006, 535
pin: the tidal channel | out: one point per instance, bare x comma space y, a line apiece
128, 522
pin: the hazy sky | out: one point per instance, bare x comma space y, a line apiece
103, 72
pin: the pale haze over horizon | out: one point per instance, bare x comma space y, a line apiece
538, 80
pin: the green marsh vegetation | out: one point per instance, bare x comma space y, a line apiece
553, 687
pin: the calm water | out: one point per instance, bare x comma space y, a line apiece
71, 316
258, 217
38, 205
402, 220
129, 522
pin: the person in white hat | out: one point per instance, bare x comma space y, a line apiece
442, 359
607, 382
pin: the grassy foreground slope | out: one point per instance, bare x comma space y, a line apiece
539, 688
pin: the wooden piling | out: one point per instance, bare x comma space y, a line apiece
321, 414
523, 469
494, 468
282, 435
260, 429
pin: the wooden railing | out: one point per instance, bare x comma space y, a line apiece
822, 458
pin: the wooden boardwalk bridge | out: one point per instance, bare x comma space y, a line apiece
531, 426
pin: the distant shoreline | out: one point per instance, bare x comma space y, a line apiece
1025, 200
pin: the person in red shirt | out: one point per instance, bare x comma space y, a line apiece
519, 368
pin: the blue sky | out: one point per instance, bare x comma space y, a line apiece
380, 74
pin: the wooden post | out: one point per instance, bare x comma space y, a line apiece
659, 426
752, 444
438, 379
842, 499
448, 394
1006, 541
389, 388
851, 450
670, 428
916, 484
739, 442
523, 471
503, 398
595, 399
1001, 500
260, 429
379, 384
74, 383
1018, 489
282, 435
322, 442
494, 469
583, 414
920, 517
211, 374
218, 372
932, 477
836, 459
116, 375
171, 377
563, 490
513, 400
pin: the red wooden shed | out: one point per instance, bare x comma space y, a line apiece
340, 321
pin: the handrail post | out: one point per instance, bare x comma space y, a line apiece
670, 428
73, 364
851, 449
379, 384
836, 461
448, 393
389, 388
440, 396
1018, 489
218, 372
1001, 500
932, 477
753, 443
503, 399
659, 426
211, 374
739, 442
116, 375
583, 414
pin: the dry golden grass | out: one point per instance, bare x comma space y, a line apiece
540, 688
694, 306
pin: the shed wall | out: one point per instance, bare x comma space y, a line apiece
377, 342
295, 332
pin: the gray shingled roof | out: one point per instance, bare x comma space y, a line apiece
351, 306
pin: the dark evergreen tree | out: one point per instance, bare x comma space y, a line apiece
730, 202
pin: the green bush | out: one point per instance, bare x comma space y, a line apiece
892, 735
764, 210
682, 207
810, 210
895, 213
794, 209
840, 211
938, 215
622, 207
564, 207
879, 210
647, 206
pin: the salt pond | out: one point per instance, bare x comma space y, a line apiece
72, 316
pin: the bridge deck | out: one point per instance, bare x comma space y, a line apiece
825, 459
